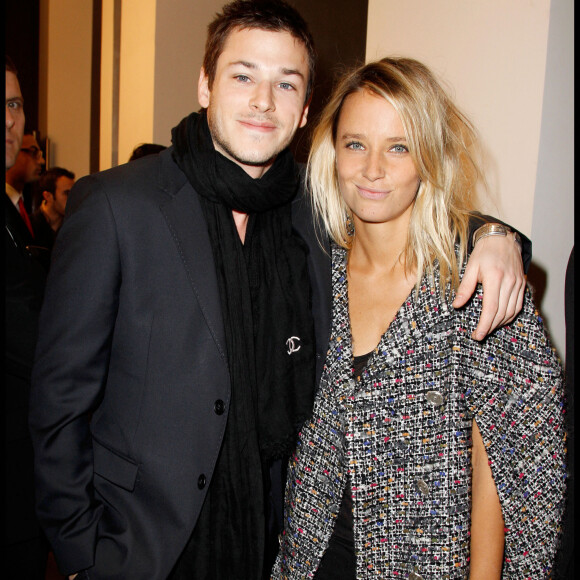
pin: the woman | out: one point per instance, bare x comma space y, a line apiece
429, 455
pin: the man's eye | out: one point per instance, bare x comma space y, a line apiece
287, 86
242, 78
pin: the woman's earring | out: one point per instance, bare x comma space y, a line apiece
349, 226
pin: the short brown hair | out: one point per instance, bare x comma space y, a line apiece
271, 15
10, 66
48, 179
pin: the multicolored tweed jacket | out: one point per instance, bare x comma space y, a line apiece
403, 435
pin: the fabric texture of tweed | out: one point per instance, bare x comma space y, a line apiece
402, 433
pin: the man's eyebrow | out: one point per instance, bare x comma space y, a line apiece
254, 66
244, 63
291, 71
13, 99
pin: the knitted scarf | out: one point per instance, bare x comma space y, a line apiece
265, 300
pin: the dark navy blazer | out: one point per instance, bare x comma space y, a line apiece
130, 388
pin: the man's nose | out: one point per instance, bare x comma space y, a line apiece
263, 98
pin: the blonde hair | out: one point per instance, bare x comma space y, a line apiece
441, 142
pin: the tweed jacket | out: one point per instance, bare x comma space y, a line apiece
402, 434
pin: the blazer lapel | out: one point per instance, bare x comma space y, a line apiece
15, 225
186, 222
419, 318
320, 273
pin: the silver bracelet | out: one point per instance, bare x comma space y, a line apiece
490, 229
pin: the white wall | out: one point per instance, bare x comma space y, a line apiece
179, 43
106, 144
493, 55
553, 215
65, 85
137, 75
132, 123
162, 44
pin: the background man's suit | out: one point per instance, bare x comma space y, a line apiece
25, 278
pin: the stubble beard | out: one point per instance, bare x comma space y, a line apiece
225, 147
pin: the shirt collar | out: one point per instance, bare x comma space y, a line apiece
13, 194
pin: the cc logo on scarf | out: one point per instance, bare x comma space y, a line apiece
293, 344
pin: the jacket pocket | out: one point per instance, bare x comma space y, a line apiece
113, 467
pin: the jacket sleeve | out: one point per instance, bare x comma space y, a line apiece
514, 390
70, 371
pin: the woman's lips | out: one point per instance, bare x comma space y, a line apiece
370, 193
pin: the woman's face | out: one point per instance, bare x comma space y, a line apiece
376, 173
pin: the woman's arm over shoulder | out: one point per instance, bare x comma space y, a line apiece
514, 391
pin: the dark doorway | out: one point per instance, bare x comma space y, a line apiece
339, 28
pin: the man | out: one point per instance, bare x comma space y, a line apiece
176, 358
14, 115
26, 549
54, 187
146, 149
26, 169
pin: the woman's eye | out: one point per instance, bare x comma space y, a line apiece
399, 149
355, 145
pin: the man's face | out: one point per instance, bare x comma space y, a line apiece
63, 186
30, 159
14, 118
256, 103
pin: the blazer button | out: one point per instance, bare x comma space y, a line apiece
334, 508
219, 407
435, 398
422, 486
201, 481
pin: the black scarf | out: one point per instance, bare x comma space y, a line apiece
265, 300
